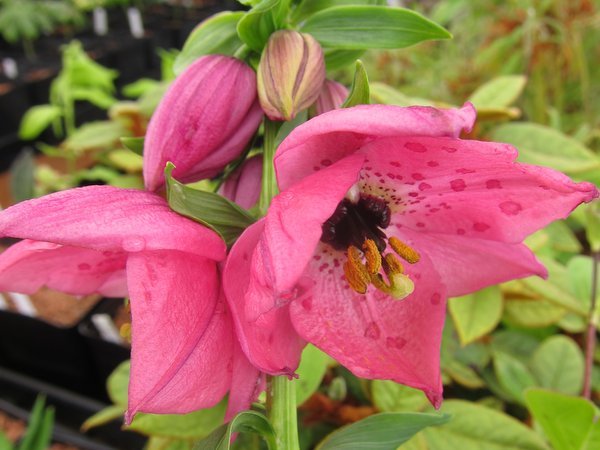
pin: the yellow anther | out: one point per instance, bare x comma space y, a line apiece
355, 271
392, 265
372, 256
403, 250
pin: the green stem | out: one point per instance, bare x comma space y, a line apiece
281, 407
269, 182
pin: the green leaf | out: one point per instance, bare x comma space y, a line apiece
309, 7
385, 431
359, 92
210, 209
532, 312
336, 59
244, 422
139, 87
500, 92
364, 27
515, 343
570, 423
476, 427
5, 444
592, 225
476, 314
37, 119
195, 425
546, 146
558, 364
103, 417
255, 27
135, 144
161, 443
311, 371
216, 35
96, 97
125, 160
22, 176
513, 375
389, 396
118, 383
39, 428
95, 135
387, 95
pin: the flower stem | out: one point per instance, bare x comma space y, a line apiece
269, 182
594, 317
281, 407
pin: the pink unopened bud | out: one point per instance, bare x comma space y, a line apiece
243, 185
204, 121
332, 96
291, 73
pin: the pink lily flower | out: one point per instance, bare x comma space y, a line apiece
384, 213
119, 242
204, 121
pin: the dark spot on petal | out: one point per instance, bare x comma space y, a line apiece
418, 176
424, 186
458, 185
415, 147
436, 299
396, 342
84, 266
433, 163
463, 171
460, 231
372, 331
480, 226
493, 184
449, 149
326, 162
510, 208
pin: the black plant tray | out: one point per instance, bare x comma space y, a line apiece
18, 393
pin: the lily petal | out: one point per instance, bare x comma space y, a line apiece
374, 335
470, 188
293, 225
336, 134
268, 340
28, 265
109, 218
467, 265
244, 184
182, 335
247, 382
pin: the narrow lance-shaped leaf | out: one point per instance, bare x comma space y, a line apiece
364, 27
385, 431
135, 144
359, 92
216, 35
307, 8
207, 208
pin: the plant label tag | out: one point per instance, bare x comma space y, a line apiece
10, 68
136, 26
100, 19
107, 329
23, 304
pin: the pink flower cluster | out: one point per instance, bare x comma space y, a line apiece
383, 213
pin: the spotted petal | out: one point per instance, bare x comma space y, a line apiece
374, 335
333, 135
29, 265
107, 218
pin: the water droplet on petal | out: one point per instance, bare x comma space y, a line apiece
134, 244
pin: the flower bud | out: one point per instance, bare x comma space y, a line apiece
244, 184
291, 73
204, 121
332, 96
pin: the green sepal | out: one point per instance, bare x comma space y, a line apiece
216, 35
210, 209
359, 92
135, 144
244, 422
